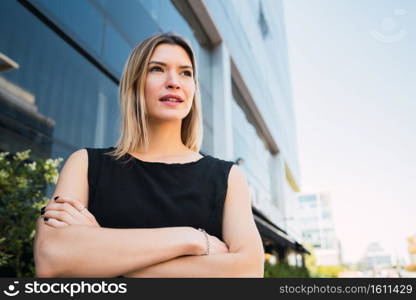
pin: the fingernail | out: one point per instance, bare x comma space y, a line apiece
46, 219
56, 198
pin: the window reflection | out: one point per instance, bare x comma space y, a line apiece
249, 146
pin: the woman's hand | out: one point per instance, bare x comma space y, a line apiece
64, 211
216, 246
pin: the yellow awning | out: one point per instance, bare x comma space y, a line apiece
291, 179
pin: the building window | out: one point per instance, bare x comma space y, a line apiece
264, 27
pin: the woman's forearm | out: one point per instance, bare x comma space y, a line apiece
85, 251
218, 265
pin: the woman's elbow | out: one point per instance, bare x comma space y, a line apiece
48, 261
257, 268
252, 266
43, 261
43, 271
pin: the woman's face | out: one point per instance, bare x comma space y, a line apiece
170, 85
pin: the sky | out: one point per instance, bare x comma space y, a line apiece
352, 67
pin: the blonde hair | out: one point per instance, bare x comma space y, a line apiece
134, 127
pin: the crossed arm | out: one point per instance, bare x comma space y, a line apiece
160, 252
246, 255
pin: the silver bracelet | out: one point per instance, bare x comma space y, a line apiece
206, 237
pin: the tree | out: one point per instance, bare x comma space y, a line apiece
23, 183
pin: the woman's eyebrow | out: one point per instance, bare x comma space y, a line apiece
164, 64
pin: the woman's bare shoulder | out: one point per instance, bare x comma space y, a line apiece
73, 178
81, 155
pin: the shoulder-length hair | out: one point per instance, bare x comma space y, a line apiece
134, 126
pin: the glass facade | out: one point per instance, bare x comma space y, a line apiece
249, 146
108, 30
262, 63
66, 86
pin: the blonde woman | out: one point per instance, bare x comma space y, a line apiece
152, 206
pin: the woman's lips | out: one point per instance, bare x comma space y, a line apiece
171, 103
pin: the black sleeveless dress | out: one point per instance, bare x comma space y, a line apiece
131, 193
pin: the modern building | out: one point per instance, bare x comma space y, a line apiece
71, 55
314, 217
376, 257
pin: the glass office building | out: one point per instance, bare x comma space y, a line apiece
64, 59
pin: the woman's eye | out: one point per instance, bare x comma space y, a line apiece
188, 73
155, 69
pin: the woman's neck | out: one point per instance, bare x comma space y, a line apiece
164, 140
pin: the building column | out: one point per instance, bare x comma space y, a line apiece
282, 254
279, 186
222, 101
100, 131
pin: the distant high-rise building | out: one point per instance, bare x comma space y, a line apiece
314, 217
376, 257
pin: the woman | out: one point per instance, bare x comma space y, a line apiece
152, 206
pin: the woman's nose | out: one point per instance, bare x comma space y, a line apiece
172, 81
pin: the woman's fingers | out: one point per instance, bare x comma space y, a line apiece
63, 207
61, 215
77, 205
70, 200
217, 246
79, 208
77, 217
54, 223
64, 211
89, 215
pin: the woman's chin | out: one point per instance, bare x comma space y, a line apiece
168, 117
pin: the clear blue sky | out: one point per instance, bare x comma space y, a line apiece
353, 66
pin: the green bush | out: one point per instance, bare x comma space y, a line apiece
284, 270
23, 183
328, 271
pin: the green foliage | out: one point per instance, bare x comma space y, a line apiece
328, 271
284, 270
23, 183
320, 271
